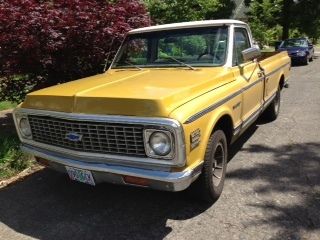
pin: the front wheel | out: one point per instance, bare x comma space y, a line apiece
210, 183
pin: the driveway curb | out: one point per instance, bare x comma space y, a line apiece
20, 176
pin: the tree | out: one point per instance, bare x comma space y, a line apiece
264, 18
170, 11
307, 14
43, 43
292, 15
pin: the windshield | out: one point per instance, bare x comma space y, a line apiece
183, 48
294, 43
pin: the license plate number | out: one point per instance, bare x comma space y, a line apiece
80, 175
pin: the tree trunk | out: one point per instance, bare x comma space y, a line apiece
286, 10
285, 31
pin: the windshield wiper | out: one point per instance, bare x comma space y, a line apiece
182, 63
127, 62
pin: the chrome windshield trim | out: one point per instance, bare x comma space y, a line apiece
163, 123
173, 30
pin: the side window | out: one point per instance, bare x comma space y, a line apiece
241, 42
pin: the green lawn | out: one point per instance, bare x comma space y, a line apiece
7, 105
12, 160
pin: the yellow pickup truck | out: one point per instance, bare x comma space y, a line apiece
164, 114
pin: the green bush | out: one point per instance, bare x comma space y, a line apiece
12, 160
43, 43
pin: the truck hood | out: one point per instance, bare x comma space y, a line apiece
149, 92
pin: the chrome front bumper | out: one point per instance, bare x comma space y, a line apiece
102, 172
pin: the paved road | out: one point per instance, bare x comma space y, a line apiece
272, 190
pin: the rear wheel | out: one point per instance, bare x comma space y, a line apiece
210, 183
272, 111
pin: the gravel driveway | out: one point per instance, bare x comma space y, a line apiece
272, 190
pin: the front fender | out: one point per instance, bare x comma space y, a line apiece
205, 124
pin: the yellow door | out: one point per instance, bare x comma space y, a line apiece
250, 77
252, 90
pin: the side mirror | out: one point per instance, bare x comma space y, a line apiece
250, 54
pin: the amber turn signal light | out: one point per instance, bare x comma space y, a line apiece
136, 181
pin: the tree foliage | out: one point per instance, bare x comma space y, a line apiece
264, 17
307, 17
170, 11
279, 19
48, 42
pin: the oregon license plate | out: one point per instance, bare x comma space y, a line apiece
80, 175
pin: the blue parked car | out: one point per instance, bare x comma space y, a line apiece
300, 50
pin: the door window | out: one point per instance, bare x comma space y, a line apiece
241, 42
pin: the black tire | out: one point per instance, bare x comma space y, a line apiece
273, 110
305, 61
210, 183
311, 59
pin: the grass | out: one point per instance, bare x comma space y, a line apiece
12, 160
7, 105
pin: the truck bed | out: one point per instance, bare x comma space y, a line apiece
265, 55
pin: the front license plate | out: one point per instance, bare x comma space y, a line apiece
80, 175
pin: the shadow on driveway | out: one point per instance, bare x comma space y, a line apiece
48, 206
293, 171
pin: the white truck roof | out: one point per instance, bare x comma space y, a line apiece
170, 26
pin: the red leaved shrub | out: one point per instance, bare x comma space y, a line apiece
43, 43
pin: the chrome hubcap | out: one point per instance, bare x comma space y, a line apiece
218, 161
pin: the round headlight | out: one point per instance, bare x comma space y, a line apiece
160, 143
25, 127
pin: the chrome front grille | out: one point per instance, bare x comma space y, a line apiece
96, 137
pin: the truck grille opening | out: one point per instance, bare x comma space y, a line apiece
95, 137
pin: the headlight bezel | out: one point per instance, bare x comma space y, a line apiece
22, 134
149, 149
